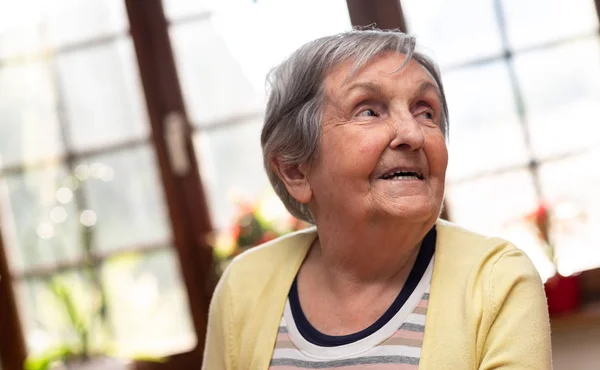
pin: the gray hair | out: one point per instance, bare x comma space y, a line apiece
292, 129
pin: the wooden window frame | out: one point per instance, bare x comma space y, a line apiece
187, 206
189, 217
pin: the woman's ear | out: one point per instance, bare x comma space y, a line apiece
295, 178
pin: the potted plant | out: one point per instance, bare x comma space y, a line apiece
255, 222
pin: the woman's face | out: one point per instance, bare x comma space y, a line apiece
383, 153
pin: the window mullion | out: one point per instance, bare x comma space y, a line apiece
12, 342
187, 206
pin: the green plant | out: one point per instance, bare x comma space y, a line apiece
80, 321
45, 360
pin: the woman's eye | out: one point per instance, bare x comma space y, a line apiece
367, 113
428, 115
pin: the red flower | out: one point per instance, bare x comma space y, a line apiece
541, 220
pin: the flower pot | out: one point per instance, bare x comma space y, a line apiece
563, 294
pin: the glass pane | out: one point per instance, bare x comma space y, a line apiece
456, 31
28, 26
29, 128
533, 22
232, 167
39, 222
46, 323
103, 98
561, 87
176, 9
498, 206
483, 121
125, 198
143, 289
20, 27
571, 187
69, 21
213, 81
223, 61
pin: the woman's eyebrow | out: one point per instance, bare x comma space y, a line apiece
427, 86
370, 87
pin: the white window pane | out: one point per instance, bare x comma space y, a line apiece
561, 88
103, 96
176, 9
213, 82
38, 228
497, 206
533, 22
485, 132
20, 31
29, 128
33, 26
69, 21
46, 324
571, 187
147, 304
223, 61
126, 198
232, 167
455, 31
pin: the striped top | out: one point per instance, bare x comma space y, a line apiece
393, 342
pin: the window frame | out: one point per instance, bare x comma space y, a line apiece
183, 193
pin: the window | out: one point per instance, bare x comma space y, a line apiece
520, 90
82, 199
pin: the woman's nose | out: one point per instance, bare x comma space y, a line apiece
407, 133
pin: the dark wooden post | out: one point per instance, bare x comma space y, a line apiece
190, 220
12, 343
383, 14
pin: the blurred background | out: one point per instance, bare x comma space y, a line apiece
131, 168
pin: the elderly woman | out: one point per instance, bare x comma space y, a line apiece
355, 142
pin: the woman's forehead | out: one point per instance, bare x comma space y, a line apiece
389, 68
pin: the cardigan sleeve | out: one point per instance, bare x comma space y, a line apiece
519, 335
218, 334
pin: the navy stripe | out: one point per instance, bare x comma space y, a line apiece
311, 334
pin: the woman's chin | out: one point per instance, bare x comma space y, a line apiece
413, 209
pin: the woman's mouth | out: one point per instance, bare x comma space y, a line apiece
402, 175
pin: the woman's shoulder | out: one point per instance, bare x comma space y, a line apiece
458, 246
485, 291
452, 238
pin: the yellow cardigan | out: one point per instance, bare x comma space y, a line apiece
487, 308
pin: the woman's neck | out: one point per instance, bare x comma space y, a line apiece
366, 254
